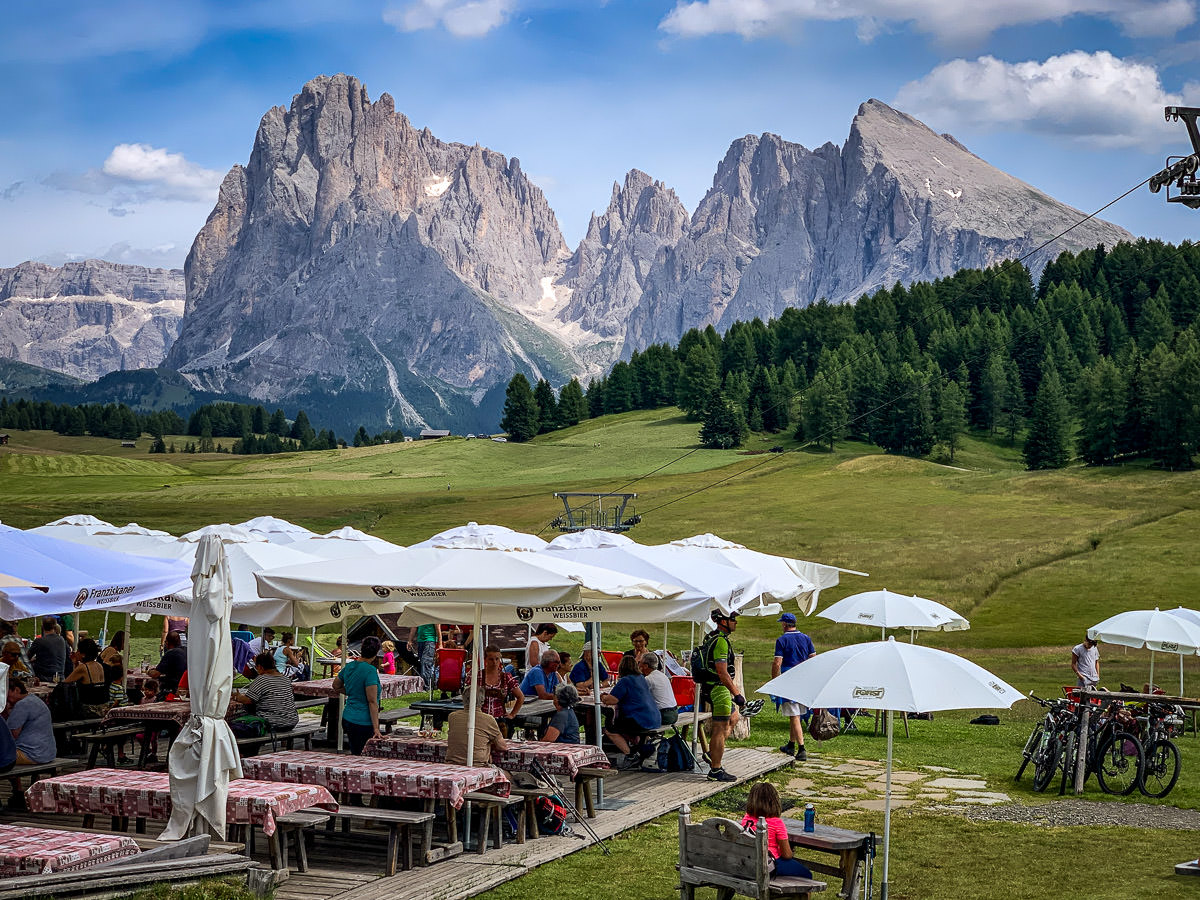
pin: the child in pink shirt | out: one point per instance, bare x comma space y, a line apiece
388, 659
763, 803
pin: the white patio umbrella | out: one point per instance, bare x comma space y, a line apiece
891, 676
11, 581
1150, 628
204, 757
344, 543
84, 579
884, 609
781, 578
1188, 615
484, 537
277, 531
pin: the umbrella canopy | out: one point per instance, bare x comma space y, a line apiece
85, 578
344, 543
275, 530
701, 580
885, 609
432, 584
781, 578
1150, 628
204, 757
474, 536
11, 581
891, 676
1182, 612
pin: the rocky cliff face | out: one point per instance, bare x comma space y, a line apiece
89, 318
354, 253
785, 226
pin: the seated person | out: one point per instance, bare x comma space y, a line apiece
48, 653
289, 659
171, 667
112, 657
10, 655
564, 666
8, 632
763, 803
637, 712
89, 674
30, 724
581, 674
564, 727
270, 695
540, 681
639, 643
487, 732
498, 688
660, 687
262, 643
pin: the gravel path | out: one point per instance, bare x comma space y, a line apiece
1084, 812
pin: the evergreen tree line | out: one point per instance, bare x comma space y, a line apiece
1100, 359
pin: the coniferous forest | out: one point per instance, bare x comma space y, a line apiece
1098, 361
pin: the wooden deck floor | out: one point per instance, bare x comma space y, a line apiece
350, 867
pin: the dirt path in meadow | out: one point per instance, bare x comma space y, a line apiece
1084, 812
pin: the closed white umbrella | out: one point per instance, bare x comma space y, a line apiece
204, 757
1153, 629
884, 609
891, 676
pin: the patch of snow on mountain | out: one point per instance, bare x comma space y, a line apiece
438, 186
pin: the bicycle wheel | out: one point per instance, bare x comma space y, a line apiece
1161, 769
1045, 761
1119, 764
1030, 748
1067, 763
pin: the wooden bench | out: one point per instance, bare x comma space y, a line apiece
65, 731
399, 823
718, 853
143, 842
51, 768
493, 807
294, 825
583, 788
530, 794
123, 876
310, 702
108, 741
304, 730
389, 717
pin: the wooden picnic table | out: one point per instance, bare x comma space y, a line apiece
520, 756
390, 686
533, 712
26, 850
125, 795
381, 777
851, 847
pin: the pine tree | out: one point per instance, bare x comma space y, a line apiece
520, 419
699, 381
302, 431
1013, 408
1154, 325
906, 424
361, 438
1102, 410
595, 398
278, 424
547, 406
724, 425
951, 418
1048, 444
572, 407
992, 383
823, 411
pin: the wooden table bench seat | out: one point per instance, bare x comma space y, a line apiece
389, 717
493, 807
530, 794
718, 853
32, 772
400, 823
294, 825
305, 731
108, 740
583, 788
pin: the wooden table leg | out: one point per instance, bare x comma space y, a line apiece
426, 841
393, 850
851, 865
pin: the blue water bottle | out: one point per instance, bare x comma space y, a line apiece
810, 818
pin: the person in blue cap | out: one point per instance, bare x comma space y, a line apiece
792, 648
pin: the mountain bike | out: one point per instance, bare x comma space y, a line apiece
1114, 753
1047, 742
1160, 769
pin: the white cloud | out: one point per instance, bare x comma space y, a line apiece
948, 20
462, 18
1108, 101
136, 173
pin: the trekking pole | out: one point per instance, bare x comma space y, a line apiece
539, 772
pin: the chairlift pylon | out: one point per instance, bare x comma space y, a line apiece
603, 512
1180, 171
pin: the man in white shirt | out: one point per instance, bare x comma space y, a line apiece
1085, 662
660, 687
263, 643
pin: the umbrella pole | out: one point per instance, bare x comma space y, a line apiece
125, 653
887, 811
1180, 674
596, 705
470, 690
336, 727
665, 639
1151, 687
695, 697
104, 632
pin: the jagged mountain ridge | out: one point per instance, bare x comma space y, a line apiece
89, 318
361, 266
785, 226
355, 253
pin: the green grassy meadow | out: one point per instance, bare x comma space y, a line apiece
1032, 559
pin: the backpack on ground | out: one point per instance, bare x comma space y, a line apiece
249, 726
674, 755
551, 815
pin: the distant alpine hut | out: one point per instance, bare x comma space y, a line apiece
3, 439
432, 434
128, 443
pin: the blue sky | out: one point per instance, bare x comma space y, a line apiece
120, 119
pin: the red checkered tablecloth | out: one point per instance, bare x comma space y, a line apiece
382, 777
390, 686
42, 690
176, 711
40, 851
557, 759
147, 795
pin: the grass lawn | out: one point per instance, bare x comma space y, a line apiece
1032, 559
